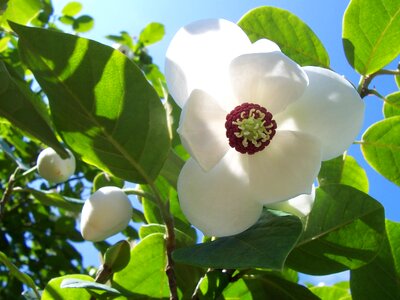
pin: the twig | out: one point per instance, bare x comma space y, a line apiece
363, 86
8, 192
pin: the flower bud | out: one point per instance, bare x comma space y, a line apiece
105, 213
53, 168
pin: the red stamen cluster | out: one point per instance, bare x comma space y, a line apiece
242, 112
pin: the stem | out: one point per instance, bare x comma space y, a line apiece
140, 193
169, 241
365, 81
27, 172
7, 193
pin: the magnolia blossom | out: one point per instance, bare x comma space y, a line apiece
256, 124
105, 213
53, 168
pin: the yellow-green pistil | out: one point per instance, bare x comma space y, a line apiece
249, 128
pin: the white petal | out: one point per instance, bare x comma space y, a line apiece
263, 46
217, 202
270, 79
330, 109
286, 168
105, 213
198, 57
299, 206
202, 129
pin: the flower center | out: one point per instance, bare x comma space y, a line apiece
249, 128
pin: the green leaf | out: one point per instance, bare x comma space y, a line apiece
22, 108
117, 256
67, 20
20, 11
371, 34
119, 123
24, 278
391, 107
172, 167
145, 273
293, 36
343, 170
381, 278
381, 148
265, 245
72, 9
103, 179
55, 199
344, 230
54, 291
182, 238
267, 287
75, 283
152, 33
338, 291
4, 43
83, 23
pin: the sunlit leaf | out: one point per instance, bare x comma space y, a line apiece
67, 20
265, 245
145, 273
340, 291
53, 289
343, 170
381, 278
83, 23
293, 36
181, 237
75, 283
371, 34
152, 33
118, 123
344, 230
391, 107
72, 8
381, 148
20, 11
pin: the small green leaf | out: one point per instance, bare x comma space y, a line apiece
371, 34
340, 291
72, 9
267, 287
20, 11
265, 245
22, 108
55, 199
391, 107
117, 256
4, 43
145, 273
119, 122
293, 36
103, 179
67, 20
75, 283
344, 230
152, 33
53, 289
343, 170
83, 23
381, 148
24, 278
381, 278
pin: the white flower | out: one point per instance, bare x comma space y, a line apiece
53, 168
256, 124
105, 213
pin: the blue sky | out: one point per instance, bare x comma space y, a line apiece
324, 17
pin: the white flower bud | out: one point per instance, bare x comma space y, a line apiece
105, 213
53, 168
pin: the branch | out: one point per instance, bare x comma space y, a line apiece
363, 86
7, 193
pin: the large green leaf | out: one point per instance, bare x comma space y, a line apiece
22, 108
145, 273
100, 101
381, 278
339, 291
344, 230
391, 108
267, 287
381, 148
343, 170
371, 34
20, 11
265, 245
54, 291
293, 36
